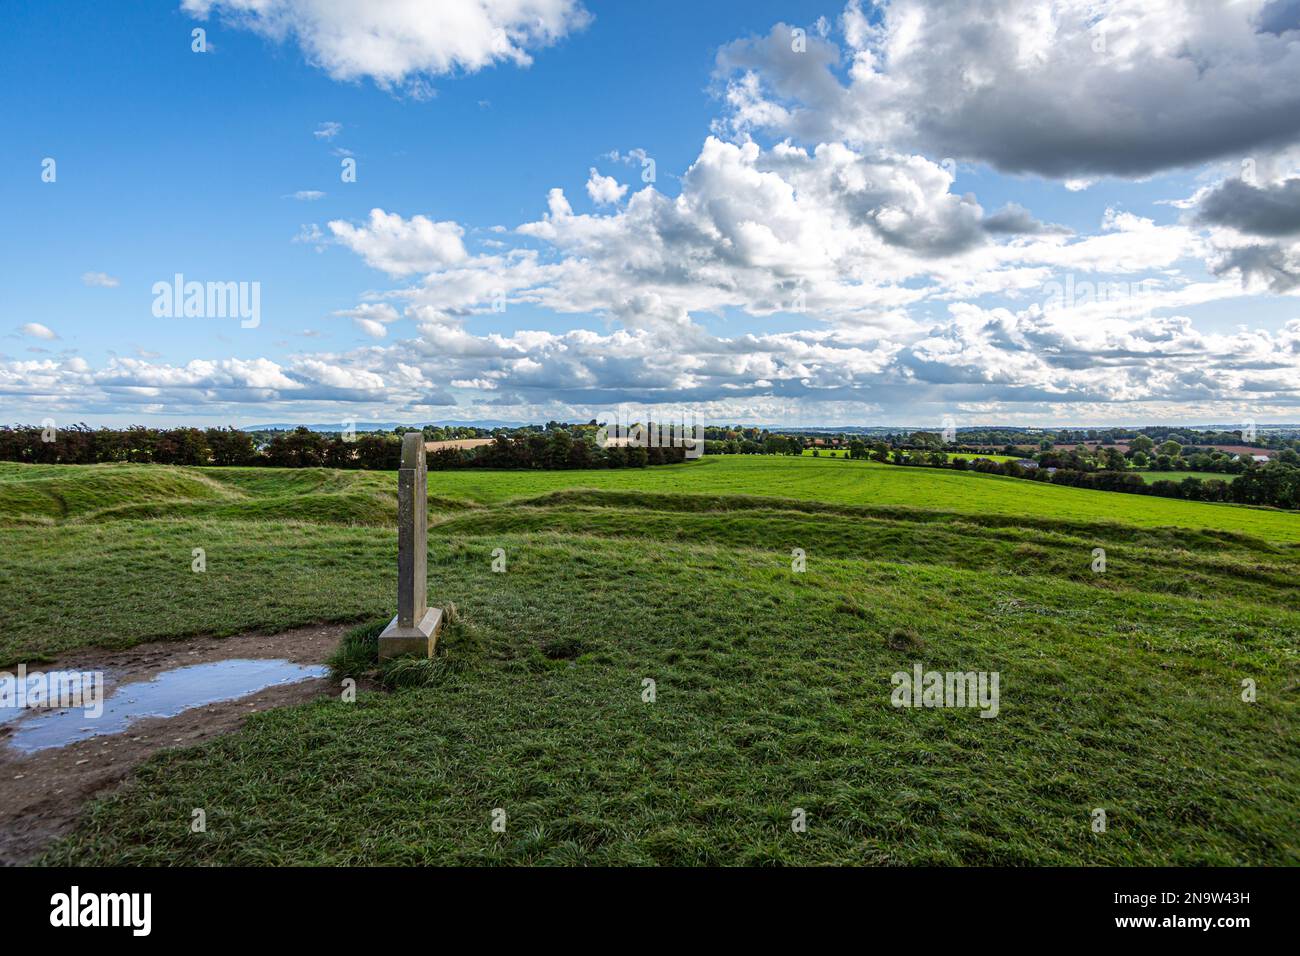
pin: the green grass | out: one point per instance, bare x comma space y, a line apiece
807, 479
969, 456
1150, 476
952, 456
1118, 690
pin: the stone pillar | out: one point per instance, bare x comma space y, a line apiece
415, 628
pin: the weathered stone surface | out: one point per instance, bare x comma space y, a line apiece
422, 639
415, 628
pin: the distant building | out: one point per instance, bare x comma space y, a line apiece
1026, 463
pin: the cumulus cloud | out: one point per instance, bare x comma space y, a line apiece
1276, 266
1072, 89
857, 241
400, 42
1254, 229
872, 248
1267, 210
372, 318
402, 246
985, 362
604, 190
1014, 219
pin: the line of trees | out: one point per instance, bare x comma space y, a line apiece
556, 447
1276, 484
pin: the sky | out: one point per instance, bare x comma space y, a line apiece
1080, 212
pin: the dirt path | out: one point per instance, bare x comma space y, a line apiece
42, 793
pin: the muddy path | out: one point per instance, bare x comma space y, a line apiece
43, 792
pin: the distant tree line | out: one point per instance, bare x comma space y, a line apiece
556, 447
1276, 484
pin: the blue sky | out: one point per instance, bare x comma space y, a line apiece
918, 300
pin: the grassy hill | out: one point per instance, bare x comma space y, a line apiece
48, 492
1118, 690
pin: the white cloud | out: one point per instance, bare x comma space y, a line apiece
100, 279
327, 130
38, 331
400, 246
399, 42
604, 190
372, 318
307, 195
1070, 89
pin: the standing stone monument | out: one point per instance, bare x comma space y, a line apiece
415, 628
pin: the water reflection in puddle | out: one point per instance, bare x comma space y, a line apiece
165, 695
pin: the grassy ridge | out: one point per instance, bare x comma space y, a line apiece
1118, 690
23, 488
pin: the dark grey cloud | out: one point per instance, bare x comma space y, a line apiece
1015, 220
1268, 262
1280, 16
1258, 210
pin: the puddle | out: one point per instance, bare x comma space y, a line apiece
165, 695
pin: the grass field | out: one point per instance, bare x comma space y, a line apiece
1150, 476
1119, 690
969, 457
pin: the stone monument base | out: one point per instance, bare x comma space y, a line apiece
420, 640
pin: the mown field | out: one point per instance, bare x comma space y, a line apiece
1119, 690
1150, 476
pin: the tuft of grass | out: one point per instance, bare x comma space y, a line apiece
357, 655
905, 639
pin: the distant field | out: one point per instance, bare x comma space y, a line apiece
843, 453
461, 443
969, 457
1119, 689
1150, 476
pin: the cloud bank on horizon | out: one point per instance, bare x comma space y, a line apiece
823, 222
